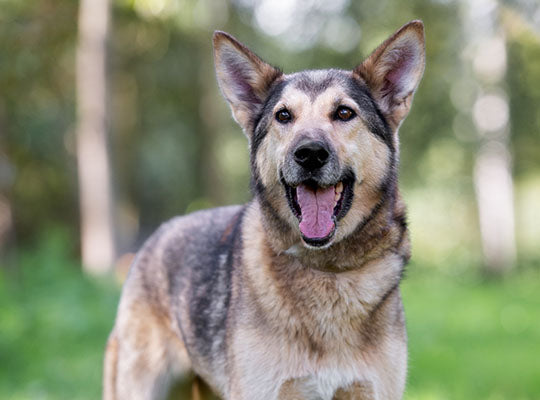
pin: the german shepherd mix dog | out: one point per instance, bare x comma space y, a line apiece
294, 295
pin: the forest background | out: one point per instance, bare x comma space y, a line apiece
470, 171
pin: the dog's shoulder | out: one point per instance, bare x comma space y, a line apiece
179, 246
186, 233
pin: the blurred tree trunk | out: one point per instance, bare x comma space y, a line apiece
493, 180
95, 193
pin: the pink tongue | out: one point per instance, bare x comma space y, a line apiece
317, 209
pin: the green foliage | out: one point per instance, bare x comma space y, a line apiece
523, 81
37, 112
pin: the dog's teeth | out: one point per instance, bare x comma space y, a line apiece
339, 187
336, 198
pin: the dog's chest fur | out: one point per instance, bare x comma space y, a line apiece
319, 328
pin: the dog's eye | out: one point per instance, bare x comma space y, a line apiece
344, 113
283, 116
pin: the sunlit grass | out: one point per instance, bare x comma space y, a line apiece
472, 338
53, 327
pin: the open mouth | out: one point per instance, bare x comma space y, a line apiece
319, 208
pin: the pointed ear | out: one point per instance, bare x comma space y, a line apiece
393, 71
243, 77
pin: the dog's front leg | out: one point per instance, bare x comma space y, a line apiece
253, 368
255, 384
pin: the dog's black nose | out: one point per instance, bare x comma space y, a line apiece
311, 155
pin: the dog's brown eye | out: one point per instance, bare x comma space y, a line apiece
283, 116
344, 113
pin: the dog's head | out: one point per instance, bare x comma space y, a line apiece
324, 143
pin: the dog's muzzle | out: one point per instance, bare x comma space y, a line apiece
318, 194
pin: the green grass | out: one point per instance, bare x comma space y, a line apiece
471, 338
468, 338
53, 327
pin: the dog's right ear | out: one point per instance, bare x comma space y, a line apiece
244, 78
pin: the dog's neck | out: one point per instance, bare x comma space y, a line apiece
383, 230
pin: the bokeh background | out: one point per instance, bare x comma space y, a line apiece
144, 118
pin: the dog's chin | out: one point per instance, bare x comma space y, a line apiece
343, 192
319, 243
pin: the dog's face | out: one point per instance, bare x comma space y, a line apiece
323, 143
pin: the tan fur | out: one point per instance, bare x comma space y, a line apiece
356, 391
148, 345
109, 368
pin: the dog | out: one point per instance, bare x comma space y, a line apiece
294, 295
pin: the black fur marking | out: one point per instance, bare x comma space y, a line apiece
401, 219
370, 112
387, 294
313, 88
348, 179
210, 256
260, 120
216, 280
388, 189
259, 191
290, 193
373, 326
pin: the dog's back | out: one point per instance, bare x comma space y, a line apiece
174, 303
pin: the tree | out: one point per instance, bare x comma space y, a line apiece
95, 194
493, 179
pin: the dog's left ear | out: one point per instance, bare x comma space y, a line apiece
244, 78
393, 71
